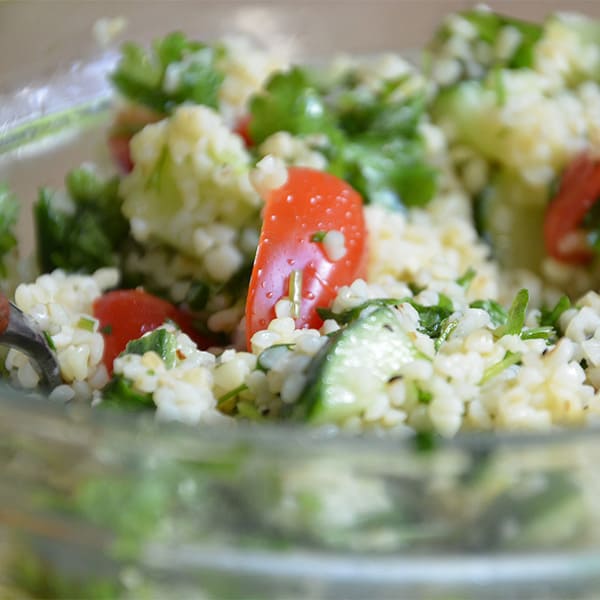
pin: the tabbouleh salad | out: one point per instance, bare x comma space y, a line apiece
366, 244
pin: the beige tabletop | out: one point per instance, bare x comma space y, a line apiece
39, 38
36, 35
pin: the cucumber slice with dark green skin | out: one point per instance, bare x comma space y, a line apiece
509, 215
353, 367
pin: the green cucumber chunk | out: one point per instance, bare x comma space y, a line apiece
353, 367
509, 215
161, 341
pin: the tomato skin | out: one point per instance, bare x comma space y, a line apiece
309, 202
127, 123
125, 315
118, 146
242, 128
579, 191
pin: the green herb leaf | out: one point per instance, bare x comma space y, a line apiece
49, 340
83, 231
318, 236
86, 323
430, 317
516, 315
510, 358
230, 395
351, 314
424, 396
551, 317
415, 288
489, 26
388, 112
425, 441
497, 313
119, 392
499, 86
249, 411
448, 326
390, 172
9, 213
161, 341
374, 141
466, 279
290, 102
175, 71
539, 333
198, 295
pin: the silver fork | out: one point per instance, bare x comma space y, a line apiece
19, 331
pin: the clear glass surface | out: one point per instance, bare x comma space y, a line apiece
104, 504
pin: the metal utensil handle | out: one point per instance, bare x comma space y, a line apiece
21, 332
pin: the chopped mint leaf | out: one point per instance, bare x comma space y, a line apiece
390, 172
432, 318
318, 236
224, 400
9, 213
425, 441
444, 302
198, 295
516, 315
499, 86
466, 279
389, 112
351, 314
83, 231
447, 328
536, 333
175, 71
289, 102
497, 313
424, 396
161, 341
415, 288
84, 185
373, 138
86, 323
49, 340
119, 392
510, 358
489, 26
249, 411
551, 317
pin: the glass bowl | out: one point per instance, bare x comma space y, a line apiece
103, 504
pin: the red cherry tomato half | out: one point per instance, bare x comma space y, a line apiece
127, 123
243, 130
119, 150
126, 315
579, 191
309, 204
